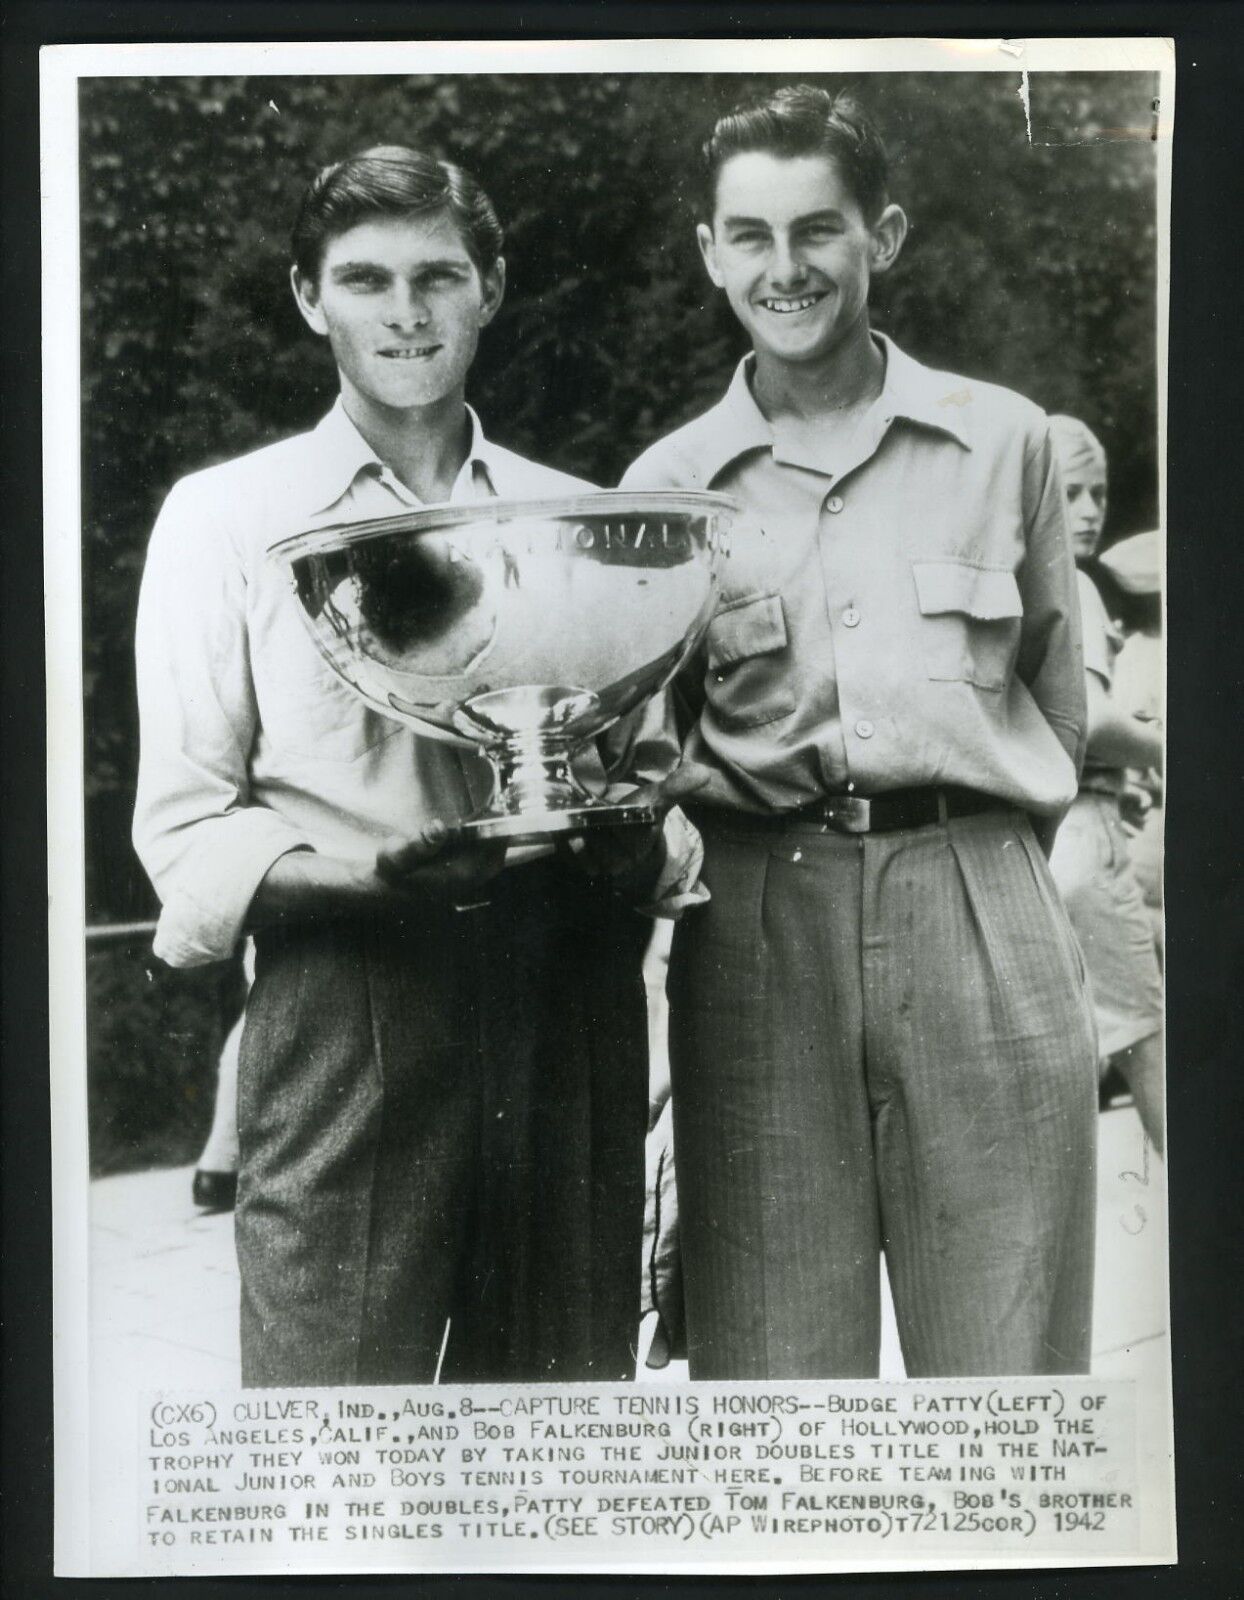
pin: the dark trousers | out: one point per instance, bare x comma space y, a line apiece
442, 1121
882, 1042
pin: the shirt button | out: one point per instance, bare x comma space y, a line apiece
850, 618
864, 729
834, 503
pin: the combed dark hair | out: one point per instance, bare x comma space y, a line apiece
392, 180
803, 121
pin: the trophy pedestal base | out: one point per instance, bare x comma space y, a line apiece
543, 827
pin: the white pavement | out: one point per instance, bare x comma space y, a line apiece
164, 1282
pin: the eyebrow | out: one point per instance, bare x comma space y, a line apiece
826, 215
343, 267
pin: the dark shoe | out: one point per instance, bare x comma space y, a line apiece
215, 1191
1112, 1090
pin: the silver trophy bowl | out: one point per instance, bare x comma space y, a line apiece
520, 628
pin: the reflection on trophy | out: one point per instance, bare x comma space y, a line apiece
523, 628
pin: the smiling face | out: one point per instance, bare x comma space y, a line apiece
795, 254
402, 303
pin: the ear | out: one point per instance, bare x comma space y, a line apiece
707, 242
888, 233
307, 298
493, 282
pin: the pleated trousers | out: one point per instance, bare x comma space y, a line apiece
882, 1042
442, 1128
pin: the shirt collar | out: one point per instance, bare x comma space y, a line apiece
919, 394
338, 453
909, 390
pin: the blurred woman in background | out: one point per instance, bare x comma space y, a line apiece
1091, 860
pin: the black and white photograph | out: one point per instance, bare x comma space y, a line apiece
607, 664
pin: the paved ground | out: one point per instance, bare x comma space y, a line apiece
164, 1287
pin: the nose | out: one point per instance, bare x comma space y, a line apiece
406, 308
786, 269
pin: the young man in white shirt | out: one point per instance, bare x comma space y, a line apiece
441, 1111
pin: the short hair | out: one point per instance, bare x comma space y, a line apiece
1076, 447
392, 180
802, 120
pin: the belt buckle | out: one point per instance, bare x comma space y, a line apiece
848, 813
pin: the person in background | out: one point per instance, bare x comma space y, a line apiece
661, 1294
215, 1186
443, 1070
1135, 566
879, 1032
1091, 859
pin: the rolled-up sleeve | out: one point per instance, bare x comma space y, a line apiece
642, 747
205, 846
1051, 657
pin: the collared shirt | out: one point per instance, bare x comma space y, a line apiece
250, 745
898, 610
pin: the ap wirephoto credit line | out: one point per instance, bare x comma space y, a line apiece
608, 680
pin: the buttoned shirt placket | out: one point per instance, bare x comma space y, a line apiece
839, 535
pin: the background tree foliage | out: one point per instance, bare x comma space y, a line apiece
1031, 262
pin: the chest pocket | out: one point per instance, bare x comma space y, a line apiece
971, 622
748, 683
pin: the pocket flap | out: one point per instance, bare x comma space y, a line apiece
985, 592
748, 628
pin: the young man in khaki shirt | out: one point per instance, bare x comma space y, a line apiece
879, 1032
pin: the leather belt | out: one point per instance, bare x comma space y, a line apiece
890, 812
897, 809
